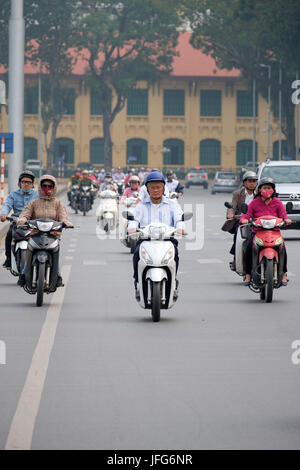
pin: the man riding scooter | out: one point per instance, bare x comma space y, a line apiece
173, 184
239, 197
16, 201
265, 203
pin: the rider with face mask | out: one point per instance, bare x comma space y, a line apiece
16, 201
264, 203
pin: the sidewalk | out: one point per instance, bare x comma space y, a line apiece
61, 187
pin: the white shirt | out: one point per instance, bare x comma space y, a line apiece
167, 212
249, 197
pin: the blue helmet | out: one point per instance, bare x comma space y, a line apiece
155, 176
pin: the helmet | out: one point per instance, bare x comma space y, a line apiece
155, 176
85, 172
108, 175
28, 174
250, 175
266, 180
134, 179
169, 173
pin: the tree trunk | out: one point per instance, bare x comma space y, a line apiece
108, 144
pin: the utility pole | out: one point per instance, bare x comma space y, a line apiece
16, 91
254, 123
269, 108
280, 114
40, 153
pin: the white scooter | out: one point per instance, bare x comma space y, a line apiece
157, 268
129, 242
18, 246
107, 211
243, 234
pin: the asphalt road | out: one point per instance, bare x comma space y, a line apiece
90, 370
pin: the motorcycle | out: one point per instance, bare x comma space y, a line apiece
120, 186
129, 241
42, 257
85, 199
75, 197
157, 267
243, 234
107, 211
174, 196
20, 237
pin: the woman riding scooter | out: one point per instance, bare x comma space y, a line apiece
264, 203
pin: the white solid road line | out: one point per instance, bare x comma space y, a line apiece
23, 423
210, 261
94, 263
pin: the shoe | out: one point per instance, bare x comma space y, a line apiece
21, 282
59, 282
246, 283
7, 264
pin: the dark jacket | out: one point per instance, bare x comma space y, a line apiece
238, 198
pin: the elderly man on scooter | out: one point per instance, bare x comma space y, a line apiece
156, 208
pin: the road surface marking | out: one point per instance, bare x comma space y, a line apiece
23, 423
71, 251
94, 263
210, 261
70, 258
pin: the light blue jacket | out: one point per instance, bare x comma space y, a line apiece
17, 200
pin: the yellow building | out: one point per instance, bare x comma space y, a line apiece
200, 115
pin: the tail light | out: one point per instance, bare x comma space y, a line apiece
206, 177
188, 175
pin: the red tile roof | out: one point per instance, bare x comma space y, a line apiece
191, 63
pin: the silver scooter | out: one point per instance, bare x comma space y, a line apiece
19, 244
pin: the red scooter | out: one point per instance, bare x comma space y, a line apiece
267, 256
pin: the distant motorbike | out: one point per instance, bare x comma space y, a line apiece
107, 211
174, 196
85, 199
20, 237
75, 198
129, 242
42, 257
157, 267
120, 186
243, 234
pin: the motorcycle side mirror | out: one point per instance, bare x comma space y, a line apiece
244, 208
128, 215
289, 207
228, 205
187, 216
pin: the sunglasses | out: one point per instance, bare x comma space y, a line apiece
26, 182
47, 186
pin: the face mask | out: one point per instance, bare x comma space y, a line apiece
26, 191
267, 193
47, 191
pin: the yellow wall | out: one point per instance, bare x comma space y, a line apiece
155, 128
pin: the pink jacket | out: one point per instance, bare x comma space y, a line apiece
258, 208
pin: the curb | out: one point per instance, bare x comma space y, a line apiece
5, 226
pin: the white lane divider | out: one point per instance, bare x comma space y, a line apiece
94, 263
22, 426
210, 261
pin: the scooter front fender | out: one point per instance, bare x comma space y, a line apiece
21, 245
268, 253
156, 274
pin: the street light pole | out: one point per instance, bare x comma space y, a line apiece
16, 91
269, 108
254, 123
280, 114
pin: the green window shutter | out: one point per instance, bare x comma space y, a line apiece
245, 103
174, 102
64, 148
30, 148
137, 152
137, 103
97, 151
176, 154
95, 103
31, 100
284, 151
65, 101
210, 102
244, 152
210, 152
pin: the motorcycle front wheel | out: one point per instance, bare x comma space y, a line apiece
269, 273
40, 284
156, 301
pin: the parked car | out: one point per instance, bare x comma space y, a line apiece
196, 176
286, 175
35, 166
224, 182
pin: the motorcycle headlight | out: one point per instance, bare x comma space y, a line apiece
258, 241
279, 241
44, 226
168, 256
268, 223
157, 233
146, 257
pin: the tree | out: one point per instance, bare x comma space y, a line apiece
49, 29
125, 42
4, 22
246, 33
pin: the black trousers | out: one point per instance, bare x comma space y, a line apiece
8, 241
235, 228
248, 256
136, 257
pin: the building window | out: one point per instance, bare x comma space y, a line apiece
65, 101
245, 103
210, 102
97, 151
244, 152
96, 104
175, 156
137, 103
31, 100
137, 152
64, 150
284, 150
30, 148
174, 102
210, 152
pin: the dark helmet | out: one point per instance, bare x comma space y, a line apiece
169, 173
108, 175
27, 174
155, 176
264, 181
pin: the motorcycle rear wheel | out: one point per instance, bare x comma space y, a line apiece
156, 301
40, 285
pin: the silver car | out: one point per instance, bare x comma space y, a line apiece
224, 182
196, 176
